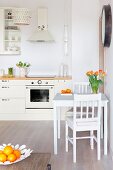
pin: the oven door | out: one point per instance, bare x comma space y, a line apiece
39, 97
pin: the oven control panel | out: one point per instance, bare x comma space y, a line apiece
40, 82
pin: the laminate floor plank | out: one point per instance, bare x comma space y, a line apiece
36, 161
38, 135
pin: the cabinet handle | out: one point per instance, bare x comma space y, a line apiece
5, 80
5, 100
5, 87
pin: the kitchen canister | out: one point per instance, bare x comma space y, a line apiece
2, 72
65, 70
61, 70
10, 72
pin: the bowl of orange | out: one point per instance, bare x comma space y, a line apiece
66, 91
10, 154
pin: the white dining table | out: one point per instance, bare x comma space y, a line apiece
68, 101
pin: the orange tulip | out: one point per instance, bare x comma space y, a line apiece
100, 71
91, 72
103, 74
96, 73
88, 73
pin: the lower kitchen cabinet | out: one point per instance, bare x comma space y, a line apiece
12, 105
12, 96
13, 100
12, 91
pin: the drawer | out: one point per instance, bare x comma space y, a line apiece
12, 82
12, 91
12, 105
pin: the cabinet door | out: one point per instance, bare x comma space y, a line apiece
1, 31
12, 91
9, 105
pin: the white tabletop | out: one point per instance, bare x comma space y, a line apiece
68, 97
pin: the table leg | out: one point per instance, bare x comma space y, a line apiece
101, 127
58, 111
55, 129
105, 129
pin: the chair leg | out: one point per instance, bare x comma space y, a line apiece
74, 146
92, 139
66, 137
98, 143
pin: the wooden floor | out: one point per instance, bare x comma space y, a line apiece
38, 161
39, 137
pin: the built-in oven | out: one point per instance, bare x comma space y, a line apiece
39, 94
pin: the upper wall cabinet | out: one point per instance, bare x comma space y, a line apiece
10, 36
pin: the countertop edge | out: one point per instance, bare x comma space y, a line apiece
36, 78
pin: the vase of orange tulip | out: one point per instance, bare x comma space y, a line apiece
95, 79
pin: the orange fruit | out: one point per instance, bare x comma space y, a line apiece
8, 150
1, 151
17, 153
68, 90
63, 91
12, 157
3, 157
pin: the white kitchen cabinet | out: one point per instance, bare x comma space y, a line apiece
12, 91
62, 84
9, 33
12, 96
12, 105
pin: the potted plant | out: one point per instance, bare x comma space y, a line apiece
23, 68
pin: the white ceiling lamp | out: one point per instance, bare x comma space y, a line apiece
21, 16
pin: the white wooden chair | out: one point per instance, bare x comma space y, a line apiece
87, 119
79, 88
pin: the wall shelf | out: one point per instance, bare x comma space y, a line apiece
10, 34
8, 19
11, 30
12, 40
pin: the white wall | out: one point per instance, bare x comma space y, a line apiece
108, 57
85, 37
44, 57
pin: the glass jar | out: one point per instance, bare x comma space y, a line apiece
65, 70
10, 72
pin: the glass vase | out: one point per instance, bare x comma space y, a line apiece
94, 88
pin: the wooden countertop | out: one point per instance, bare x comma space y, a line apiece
35, 78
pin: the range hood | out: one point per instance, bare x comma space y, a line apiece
42, 34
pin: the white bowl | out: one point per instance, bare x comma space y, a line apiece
24, 153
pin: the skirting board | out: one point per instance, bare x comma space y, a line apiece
32, 114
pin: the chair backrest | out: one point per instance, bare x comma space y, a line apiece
81, 87
89, 107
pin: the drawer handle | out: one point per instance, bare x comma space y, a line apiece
5, 100
5, 87
5, 80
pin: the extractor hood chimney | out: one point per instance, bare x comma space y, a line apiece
42, 34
